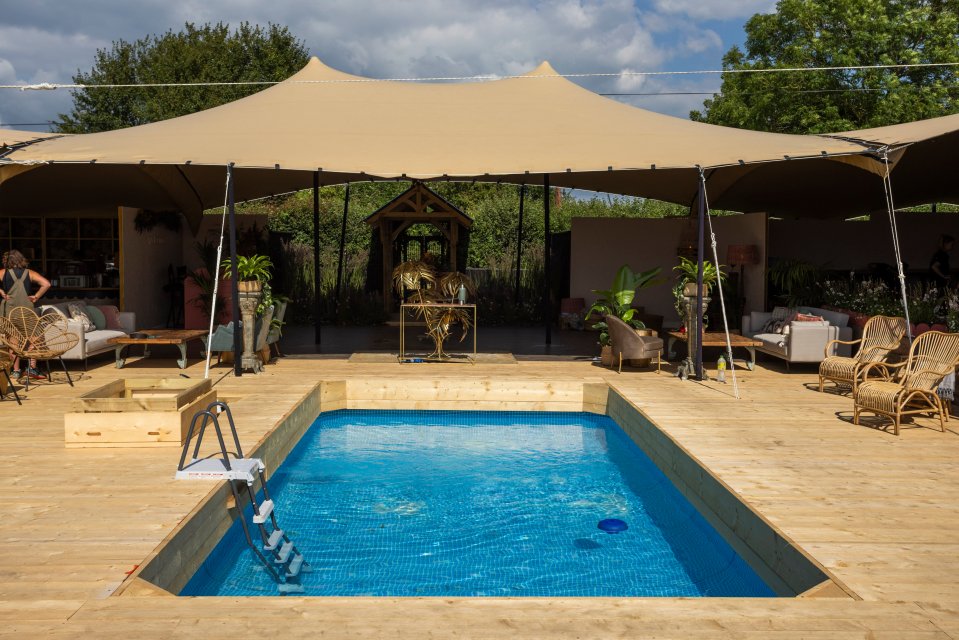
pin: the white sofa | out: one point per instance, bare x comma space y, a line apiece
91, 342
804, 341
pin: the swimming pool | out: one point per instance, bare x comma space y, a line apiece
460, 503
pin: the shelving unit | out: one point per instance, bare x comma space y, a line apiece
52, 242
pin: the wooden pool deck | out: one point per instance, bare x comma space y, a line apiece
881, 513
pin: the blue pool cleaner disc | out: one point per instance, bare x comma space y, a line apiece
612, 525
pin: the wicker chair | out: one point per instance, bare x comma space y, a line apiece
5, 361
629, 345
912, 386
880, 336
34, 337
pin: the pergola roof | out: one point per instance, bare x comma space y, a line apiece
420, 204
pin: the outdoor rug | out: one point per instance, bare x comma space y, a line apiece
384, 357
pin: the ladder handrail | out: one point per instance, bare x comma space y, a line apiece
289, 565
209, 416
225, 408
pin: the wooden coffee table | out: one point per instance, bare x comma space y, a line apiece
718, 339
178, 337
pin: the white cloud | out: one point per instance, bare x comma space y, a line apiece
46, 40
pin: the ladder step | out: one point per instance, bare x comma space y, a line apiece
214, 469
288, 587
295, 565
284, 553
274, 540
265, 510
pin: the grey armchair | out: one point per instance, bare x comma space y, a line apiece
222, 341
629, 345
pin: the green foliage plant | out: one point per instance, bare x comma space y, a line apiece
798, 281
195, 54
255, 268
618, 299
834, 33
689, 272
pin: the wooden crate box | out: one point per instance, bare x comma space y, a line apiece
142, 412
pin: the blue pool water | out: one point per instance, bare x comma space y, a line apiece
430, 503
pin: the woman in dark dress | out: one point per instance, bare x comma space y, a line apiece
22, 287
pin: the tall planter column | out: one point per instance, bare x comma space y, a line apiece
694, 323
250, 294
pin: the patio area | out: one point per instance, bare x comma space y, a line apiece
878, 512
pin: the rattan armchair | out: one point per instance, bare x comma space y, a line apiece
911, 387
33, 337
880, 337
5, 361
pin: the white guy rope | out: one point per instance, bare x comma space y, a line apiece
50, 86
216, 281
890, 207
719, 285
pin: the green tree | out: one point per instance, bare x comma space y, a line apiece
832, 33
208, 53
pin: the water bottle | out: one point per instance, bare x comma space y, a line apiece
721, 369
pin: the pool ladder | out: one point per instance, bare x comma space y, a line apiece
276, 551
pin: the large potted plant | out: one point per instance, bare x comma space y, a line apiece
618, 301
251, 273
687, 285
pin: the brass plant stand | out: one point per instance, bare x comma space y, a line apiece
438, 355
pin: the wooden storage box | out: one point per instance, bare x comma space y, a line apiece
142, 412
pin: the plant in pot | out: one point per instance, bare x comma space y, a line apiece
687, 285
617, 301
251, 271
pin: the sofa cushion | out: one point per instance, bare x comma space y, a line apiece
96, 317
97, 340
834, 317
112, 316
78, 311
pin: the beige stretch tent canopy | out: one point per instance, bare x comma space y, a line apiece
351, 128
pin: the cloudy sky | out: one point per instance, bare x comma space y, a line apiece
48, 40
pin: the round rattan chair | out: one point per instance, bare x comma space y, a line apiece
33, 337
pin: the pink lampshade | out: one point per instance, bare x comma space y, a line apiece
742, 254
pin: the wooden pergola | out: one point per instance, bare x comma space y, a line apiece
417, 205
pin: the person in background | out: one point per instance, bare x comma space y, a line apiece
939, 269
22, 287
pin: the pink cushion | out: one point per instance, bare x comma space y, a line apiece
112, 315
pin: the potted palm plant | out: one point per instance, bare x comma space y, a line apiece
251, 272
689, 275
618, 301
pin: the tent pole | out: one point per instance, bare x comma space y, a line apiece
317, 302
235, 284
519, 241
891, 208
339, 264
547, 275
699, 281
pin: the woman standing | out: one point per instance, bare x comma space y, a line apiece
22, 287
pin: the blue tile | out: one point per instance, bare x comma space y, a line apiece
464, 503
